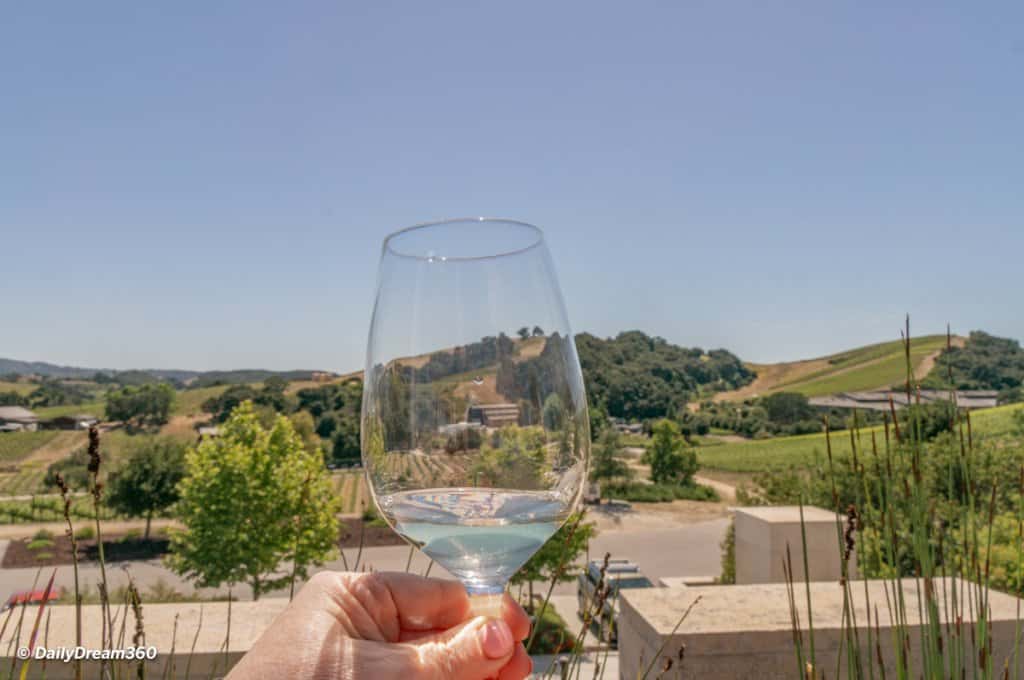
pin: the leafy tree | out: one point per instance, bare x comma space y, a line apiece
985, 362
271, 395
223, 404
523, 333
57, 393
251, 500
556, 559
553, 413
931, 419
538, 331
787, 408
13, 399
345, 442
147, 481
632, 376
670, 462
606, 464
303, 424
598, 420
515, 458
336, 412
149, 403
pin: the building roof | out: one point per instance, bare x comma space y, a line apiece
76, 417
17, 414
879, 400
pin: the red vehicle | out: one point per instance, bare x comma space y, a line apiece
30, 597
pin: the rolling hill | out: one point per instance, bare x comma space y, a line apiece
864, 368
199, 378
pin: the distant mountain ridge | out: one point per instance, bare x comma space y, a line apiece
49, 370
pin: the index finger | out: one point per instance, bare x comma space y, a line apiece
426, 603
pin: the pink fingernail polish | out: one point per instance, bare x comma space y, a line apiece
496, 639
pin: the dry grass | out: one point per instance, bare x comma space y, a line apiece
19, 387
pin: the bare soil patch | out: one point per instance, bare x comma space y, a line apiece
928, 363
116, 548
372, 536
124, 547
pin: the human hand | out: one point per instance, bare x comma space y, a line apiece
387, 625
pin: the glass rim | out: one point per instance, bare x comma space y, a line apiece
389, 246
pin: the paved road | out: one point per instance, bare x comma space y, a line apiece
687, 550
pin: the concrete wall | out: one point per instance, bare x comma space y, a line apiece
762, 537
167, 626
742, 632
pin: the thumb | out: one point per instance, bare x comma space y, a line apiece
476, 650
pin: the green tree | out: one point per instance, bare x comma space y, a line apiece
57, 393
523, 333
143, 404
556, 559
538, 331
12, 399
553, 413
147, 481
598, 420
221, 405
787, 408
303, 424
515, 458
928, 421
273, 395
251, 500
606, 464
670, 462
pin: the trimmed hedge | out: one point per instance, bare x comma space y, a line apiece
638, 492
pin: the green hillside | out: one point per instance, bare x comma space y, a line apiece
864, 368
786, 452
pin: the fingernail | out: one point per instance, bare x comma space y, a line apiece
496, 639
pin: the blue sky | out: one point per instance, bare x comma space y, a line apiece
206, 185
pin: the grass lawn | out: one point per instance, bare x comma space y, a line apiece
19, 387
637, 440
885, 365
800, 451
15, 446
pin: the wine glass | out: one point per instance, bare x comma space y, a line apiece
475, 431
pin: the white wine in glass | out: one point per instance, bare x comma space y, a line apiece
475, 431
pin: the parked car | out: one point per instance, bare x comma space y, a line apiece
620, 574
30, 597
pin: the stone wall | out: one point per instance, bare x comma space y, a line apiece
763, 535
741, 632
176, 626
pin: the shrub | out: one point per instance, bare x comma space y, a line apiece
371, 518
44, 556
43, 534
553, 635
728, 546
40, 543
638, 492
463, 440
131, 535
85, 534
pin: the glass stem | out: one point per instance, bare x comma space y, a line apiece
487, 604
